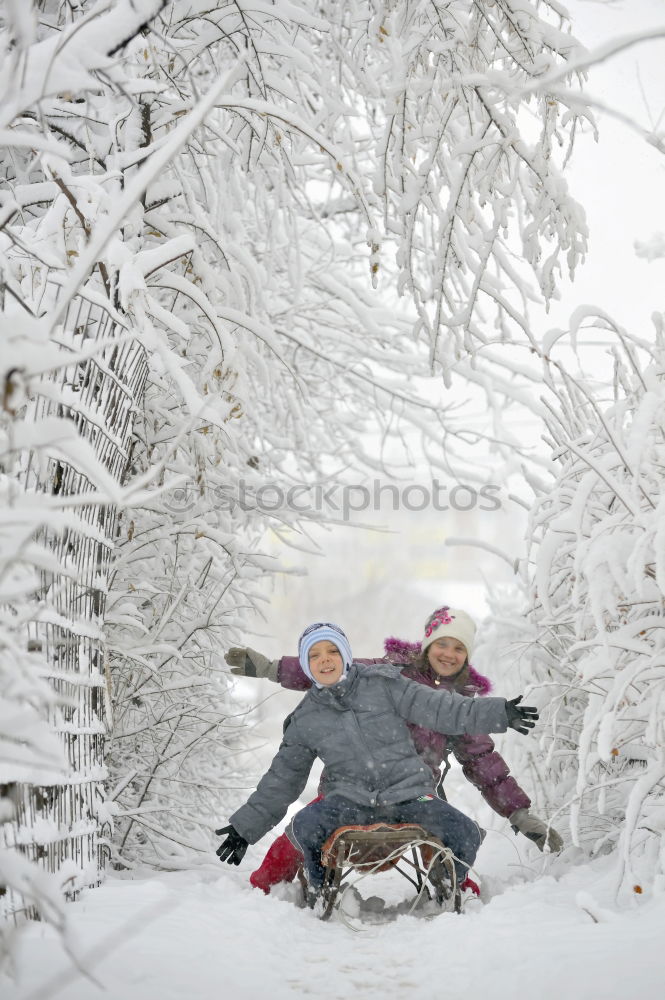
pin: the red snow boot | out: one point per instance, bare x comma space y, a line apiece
470, 887
280, 864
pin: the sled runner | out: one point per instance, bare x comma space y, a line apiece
403, 847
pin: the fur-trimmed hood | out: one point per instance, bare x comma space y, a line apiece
399, 651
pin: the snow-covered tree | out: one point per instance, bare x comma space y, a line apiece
69, 377
464, 157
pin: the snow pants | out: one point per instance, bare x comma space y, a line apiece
313, 825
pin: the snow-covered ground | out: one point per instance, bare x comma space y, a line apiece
549, 929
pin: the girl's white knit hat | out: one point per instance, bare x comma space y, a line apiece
450, 623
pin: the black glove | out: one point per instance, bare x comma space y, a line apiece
233, 849
521, 717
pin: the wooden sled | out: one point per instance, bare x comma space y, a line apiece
407, 848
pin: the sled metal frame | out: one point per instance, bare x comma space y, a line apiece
423, 860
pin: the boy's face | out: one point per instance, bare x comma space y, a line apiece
325, 662
446, 656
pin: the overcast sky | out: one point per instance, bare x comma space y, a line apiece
621, 179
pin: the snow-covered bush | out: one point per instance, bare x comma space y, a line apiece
585, 629
600, 594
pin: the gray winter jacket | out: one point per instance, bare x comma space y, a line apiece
359, 730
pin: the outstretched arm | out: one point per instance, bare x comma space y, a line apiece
455, 714
447, 712
246, 662
485, 768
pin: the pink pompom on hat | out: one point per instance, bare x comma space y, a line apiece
450, 623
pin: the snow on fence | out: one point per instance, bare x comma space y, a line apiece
59, 818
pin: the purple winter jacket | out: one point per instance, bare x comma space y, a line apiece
482, 765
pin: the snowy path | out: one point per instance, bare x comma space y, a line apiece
205, 934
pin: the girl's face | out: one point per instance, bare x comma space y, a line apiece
446, 656
325, 662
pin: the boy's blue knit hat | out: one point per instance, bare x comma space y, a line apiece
315, 633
